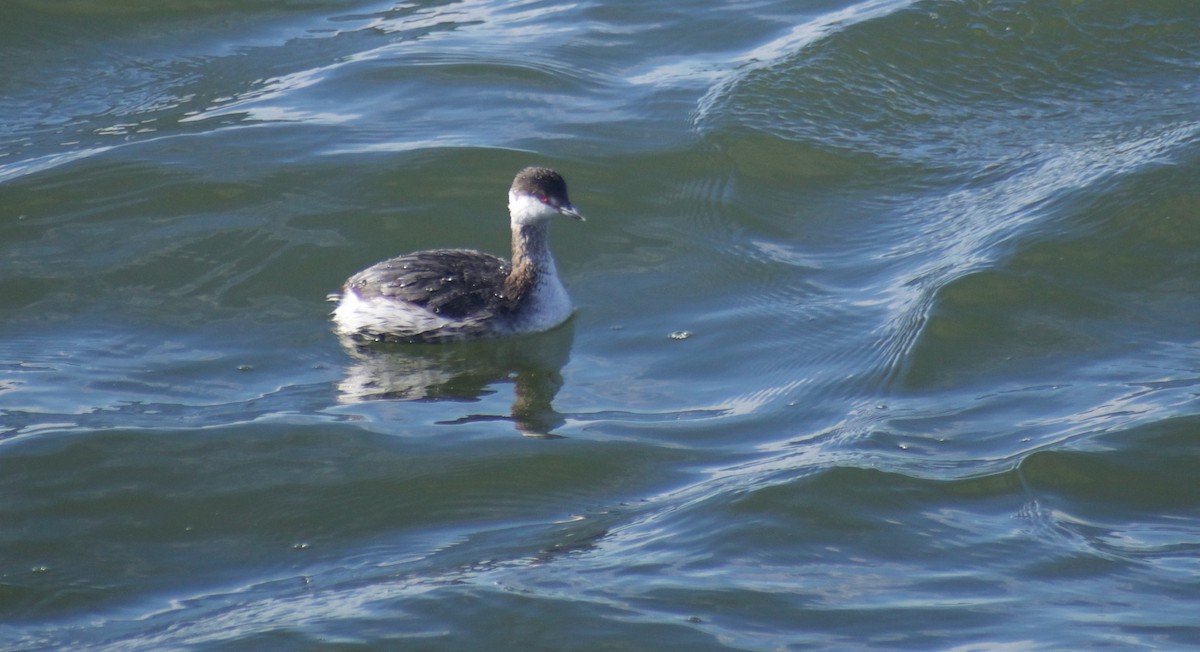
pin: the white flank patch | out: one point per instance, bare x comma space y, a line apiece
379, 315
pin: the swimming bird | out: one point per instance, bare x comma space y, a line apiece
456, 294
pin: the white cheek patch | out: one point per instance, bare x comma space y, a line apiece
528, 210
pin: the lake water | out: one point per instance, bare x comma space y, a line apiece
887, 329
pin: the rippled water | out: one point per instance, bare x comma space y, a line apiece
886, 332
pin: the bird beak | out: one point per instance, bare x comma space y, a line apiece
567, 209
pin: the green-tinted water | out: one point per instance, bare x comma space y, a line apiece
935, 262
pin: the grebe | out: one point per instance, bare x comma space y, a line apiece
456, 294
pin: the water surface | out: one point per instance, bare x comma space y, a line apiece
932, 271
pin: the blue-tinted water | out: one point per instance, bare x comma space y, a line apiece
886, 332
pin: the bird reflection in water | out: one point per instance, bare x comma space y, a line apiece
465, 372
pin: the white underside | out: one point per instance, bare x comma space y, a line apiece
355, 314
378, 316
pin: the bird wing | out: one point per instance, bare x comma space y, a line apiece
452, 283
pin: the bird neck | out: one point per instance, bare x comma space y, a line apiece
531, 260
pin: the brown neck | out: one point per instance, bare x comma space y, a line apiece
529, 245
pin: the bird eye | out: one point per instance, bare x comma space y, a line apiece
544, 199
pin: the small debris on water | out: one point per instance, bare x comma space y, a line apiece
681, 335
